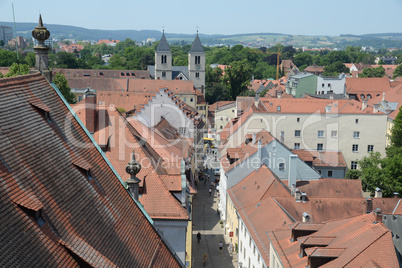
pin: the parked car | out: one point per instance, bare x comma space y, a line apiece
217, 172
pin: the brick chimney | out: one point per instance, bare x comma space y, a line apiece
90, 111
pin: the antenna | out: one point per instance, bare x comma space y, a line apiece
16, 43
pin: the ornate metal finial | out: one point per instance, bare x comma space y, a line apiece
40, 33
133, 167
197, 30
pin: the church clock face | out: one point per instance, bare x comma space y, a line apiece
197, 67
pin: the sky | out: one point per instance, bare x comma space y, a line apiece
296, 17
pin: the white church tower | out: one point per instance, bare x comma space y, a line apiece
163, 60
196, 65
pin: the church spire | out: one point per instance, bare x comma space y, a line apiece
163, 44
197, 46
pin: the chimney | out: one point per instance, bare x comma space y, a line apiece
133, 168
256, 100
364, 104
304, 197
383, 96
378, 214
375, 108
279, 94
396, 194
183, 182
90, 111
292, 171
331, 94
40, 33
297, 195
378, 193
253, 140
306, 217
259, 160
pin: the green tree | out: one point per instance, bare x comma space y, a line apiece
396, 131
30, 59
17, 69
373, 72
237, 78
303, 58
66, 60
62, 84
398, 71
335, 68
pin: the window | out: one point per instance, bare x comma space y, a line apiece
258, 259
254, 250
298, 120
334, 133
297, 146
320, 133
191, 99
163, 59
320, 147
353, 165
184, 99
355, 148
221, 117
297, 133
278, 108
249, 243
197, 59
319, 171
370, 148
357, 121
323, 85
163, 74
281, 166
221, 127
356, 134
79, 98
329, 173
197, 74
241, 246
329, 85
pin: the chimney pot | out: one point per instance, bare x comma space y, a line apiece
378, 193
396, 194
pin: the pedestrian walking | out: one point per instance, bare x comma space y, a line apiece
204, 259
210, 191
220, 247
199, 237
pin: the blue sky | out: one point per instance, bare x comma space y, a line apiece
308, 17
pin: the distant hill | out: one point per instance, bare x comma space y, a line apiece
388, 40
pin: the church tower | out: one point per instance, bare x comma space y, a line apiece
196, 65
163, 60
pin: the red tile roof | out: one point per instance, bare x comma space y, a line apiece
92, 73
93, 219
122, 140
322, 158
311, 105
353, 242
107, 41
367, 85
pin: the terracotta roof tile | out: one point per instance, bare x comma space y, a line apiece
96, 209
322, 158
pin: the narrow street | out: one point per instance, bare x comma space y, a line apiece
206, 221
